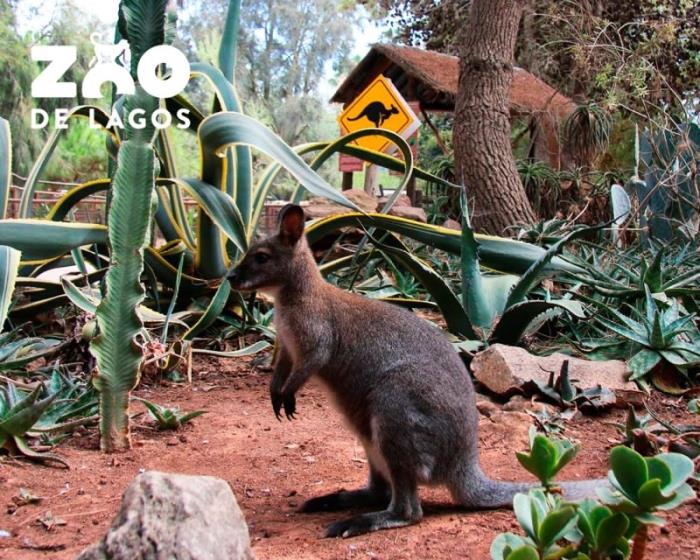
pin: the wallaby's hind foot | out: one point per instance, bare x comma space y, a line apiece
376, 495
343, 499
375, 521
404, 509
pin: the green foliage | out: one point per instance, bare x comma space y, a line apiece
18, 415
586, 132
547, 456
665, 183
645, 485
118, 357
496, 308
169, 418
590, 530
658, 333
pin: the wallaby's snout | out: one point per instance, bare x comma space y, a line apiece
267, 264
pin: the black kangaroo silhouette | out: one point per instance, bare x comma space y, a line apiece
376, 113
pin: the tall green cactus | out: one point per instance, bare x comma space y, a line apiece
130, 216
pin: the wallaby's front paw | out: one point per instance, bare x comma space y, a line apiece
280, 400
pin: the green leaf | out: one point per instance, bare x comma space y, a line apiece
650, 495
449, 304
643, 362
680, 467
630, 471
41, 240
682, 494
554, 525
659, 469
221, 130
20, 418
516, 318
505, 543
214, 309
523, 513
5, 166
524, 553
221, 208
98, 115
229, 40
474, 299
79, 298
610, 531
497, 253
74, 196
541, 461
9, 262
538, 270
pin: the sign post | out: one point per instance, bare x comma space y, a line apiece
380, 105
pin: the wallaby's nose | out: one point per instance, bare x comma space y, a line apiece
233, 275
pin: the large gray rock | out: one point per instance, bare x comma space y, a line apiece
505, 369
175, 517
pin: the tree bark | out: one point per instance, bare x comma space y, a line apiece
483, 157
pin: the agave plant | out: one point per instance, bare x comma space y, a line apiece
493, 307
169, 418
657, 335
18, 415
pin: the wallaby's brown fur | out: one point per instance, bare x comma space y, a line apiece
395, 377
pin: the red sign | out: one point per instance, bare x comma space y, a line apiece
349, 164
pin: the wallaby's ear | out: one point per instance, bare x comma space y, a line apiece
291, 223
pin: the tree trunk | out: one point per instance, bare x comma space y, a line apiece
483, 157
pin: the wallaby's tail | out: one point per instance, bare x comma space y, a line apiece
475, 490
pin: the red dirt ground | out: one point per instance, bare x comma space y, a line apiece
272, 467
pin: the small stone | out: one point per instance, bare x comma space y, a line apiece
517, 403
184, 516
504, 370
487, 408
5, 534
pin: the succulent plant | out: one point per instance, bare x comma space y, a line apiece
18, 415
547, 456
169, 418
545, 520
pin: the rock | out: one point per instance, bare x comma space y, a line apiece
175, 517
508, 429
403, 200
410, 212
487, 408
319, 207
517, 403
452, 224
505, 369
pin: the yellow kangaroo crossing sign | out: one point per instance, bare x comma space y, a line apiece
380, 105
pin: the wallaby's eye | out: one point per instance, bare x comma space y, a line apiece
261, 258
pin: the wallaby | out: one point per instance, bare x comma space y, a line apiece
395, 377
